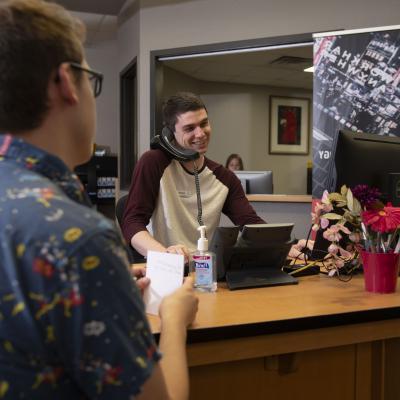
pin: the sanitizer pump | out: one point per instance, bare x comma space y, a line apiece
203, 265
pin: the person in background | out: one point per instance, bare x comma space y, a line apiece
72, 321
234, 162
164, 190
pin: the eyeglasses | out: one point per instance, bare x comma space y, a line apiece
95, 78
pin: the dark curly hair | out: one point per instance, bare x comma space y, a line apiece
178, 104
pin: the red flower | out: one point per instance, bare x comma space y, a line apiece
383, 220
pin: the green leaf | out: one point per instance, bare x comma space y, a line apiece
332, 216
356, 206
350, 200
343, 190
348, 215
336, 197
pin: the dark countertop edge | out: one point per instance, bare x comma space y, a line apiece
290, 325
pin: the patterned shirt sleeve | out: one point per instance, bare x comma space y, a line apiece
102, 334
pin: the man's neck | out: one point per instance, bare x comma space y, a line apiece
52, 140
199, 163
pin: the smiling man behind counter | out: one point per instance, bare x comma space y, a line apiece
163, 190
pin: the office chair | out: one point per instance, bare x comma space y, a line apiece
134, 256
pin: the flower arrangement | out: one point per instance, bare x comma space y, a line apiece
355, 220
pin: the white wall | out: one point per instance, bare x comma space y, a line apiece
101, 58
129, 34
239, 116
196, 22
175, 81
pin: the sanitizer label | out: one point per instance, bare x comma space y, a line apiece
203, 267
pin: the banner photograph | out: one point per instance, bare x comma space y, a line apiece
356, 87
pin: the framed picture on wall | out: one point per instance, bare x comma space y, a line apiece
289, 125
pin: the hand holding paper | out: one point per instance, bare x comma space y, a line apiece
166, 275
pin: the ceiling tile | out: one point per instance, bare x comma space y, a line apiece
250, 68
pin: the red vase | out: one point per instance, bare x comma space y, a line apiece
380, 271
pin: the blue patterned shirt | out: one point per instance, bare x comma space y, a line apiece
72, 322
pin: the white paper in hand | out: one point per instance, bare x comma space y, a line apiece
166, 275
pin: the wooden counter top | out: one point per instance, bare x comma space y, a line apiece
282, 198
316, 302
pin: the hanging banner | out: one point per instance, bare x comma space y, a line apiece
356, 87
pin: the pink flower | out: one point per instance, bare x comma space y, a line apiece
316, 218
325, 204
344, 253
382, 220
355, 237
321, 207
333, 249
343, 228
332, 233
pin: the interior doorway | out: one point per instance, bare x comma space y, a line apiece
128, 129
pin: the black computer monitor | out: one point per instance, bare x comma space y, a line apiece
257, 244
364, 158
256, 182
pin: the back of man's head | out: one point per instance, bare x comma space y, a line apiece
35, 38
178, 104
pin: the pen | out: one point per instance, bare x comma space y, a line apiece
378, 241
397, 248
389, 241
366, 243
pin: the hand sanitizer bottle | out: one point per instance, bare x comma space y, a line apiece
203, 265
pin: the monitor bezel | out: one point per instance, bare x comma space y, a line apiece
246, 177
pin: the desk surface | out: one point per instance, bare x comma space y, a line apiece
316, 302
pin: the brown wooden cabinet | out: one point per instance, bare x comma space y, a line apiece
320, 339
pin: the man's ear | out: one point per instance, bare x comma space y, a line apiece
67, 84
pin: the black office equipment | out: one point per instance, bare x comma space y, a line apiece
255, 258
224, 238
363, 158
258, 277
99, 176
256, 182
320, 248
166, 142
394, 188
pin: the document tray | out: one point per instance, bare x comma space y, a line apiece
258, 277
